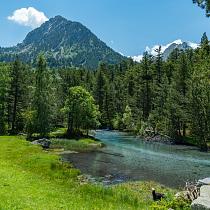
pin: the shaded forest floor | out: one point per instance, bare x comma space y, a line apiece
31, 178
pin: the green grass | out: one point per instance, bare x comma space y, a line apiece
82, 145
58, 133
190, 140
31, 178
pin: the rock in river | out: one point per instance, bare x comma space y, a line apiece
205, 181
202, 202
45, 143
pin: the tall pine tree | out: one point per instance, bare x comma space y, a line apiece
17, 97
41, 103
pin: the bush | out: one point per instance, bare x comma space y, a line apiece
171, 202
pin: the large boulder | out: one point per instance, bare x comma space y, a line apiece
45, 143
205, 181
202, 202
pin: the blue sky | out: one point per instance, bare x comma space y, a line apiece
128, 26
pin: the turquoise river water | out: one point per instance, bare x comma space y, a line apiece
128, 158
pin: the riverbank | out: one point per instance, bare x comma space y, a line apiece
150, 137
81, 145
58, 142
31, 178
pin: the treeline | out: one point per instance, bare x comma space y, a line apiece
160, 97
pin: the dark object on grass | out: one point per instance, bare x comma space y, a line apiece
45, 143
157, 196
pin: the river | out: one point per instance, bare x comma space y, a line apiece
128, 158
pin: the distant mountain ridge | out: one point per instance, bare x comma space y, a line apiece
168, 49
64, 43
181, 46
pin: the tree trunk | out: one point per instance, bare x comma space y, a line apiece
184, 130
14, 111
70, 126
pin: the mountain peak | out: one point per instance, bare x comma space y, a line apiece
58, 19
167, 49
64, 43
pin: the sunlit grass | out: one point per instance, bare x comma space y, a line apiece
31, 178
82, 145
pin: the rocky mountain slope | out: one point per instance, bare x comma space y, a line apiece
64, 43
168, 49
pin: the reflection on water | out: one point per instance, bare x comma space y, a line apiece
129, 157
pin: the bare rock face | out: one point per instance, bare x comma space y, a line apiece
202, 202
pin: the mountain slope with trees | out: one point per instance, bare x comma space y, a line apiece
64, 43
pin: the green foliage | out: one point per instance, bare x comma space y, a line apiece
204, 4
4, 87
17, 99
38, 116
29, 123
166, 97
104, 91
58, 133
127, 118
173, 203
82, 113
200, 103
142, 127
117, 122
82, 145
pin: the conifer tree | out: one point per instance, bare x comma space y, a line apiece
200, 104
100, 92
41, 103
4, 86
158, 65
205, 46
17, 97
204, 4
146, 83
178, 101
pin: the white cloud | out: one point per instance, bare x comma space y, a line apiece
137, 58
28, 17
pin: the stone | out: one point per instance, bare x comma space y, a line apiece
45, 143
68, 152
108, 176
182, 195
205, 181
203, 201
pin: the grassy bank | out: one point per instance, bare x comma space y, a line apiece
81, 145
60, 142
31, 178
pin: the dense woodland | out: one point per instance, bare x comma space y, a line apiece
160, 97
